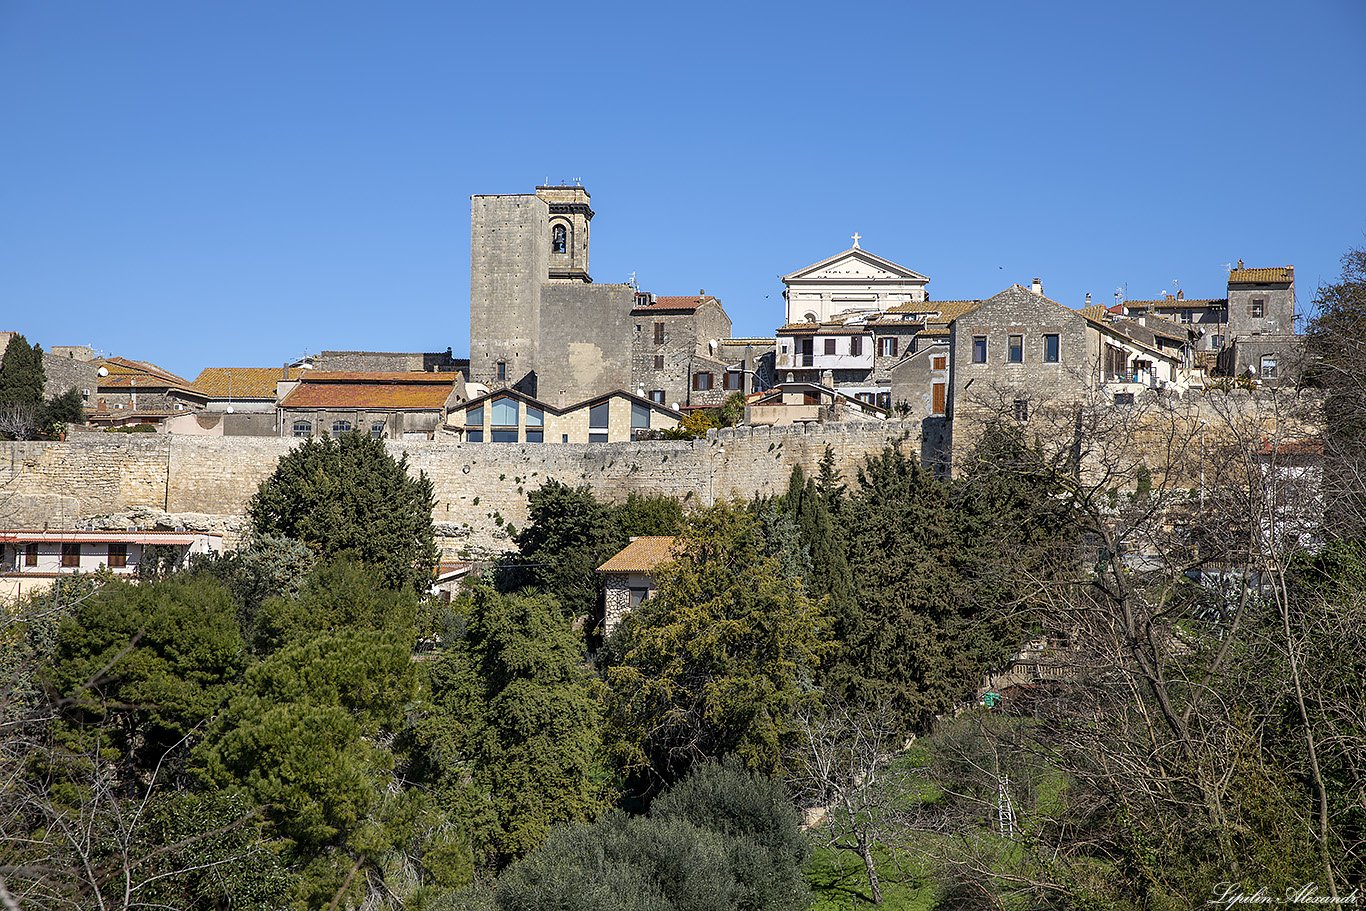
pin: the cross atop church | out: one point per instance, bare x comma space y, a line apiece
856, 237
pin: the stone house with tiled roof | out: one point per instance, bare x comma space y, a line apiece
512, 416
629, 576
675, 351
138, 392
395, 406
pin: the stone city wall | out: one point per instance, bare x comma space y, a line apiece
480, 487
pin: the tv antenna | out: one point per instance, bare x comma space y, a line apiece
631, 280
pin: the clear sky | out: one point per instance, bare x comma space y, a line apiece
235, 183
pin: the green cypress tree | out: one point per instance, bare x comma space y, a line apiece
21, 374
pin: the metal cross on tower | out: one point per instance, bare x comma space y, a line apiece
856, 237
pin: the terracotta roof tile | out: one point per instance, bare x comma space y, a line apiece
247, 382
1095, 313
1262, 276
122, 366
407, 391
674, 303
641, 556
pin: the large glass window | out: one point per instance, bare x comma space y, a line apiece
535, 417
505, 412
340, 427
474, 417
303, 428
597, 416
597, 438
474, 436
505, 435
640, 417
535, 436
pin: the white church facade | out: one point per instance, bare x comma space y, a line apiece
849, 282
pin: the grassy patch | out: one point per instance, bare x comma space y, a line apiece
839, 883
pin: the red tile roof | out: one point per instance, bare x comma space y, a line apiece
247, 382
1262, 276
687, 304
409, 391
642, 555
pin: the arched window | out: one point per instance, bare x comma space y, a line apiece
559, 239
377, 429
340, 427
303, 428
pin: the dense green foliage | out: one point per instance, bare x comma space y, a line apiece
720, 839
717, 661
349, 494
21, 374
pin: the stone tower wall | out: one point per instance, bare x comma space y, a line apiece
509, 262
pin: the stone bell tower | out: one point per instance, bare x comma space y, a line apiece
570, 214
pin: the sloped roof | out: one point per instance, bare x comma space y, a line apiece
247, 382
409, 391
1175, 303
641, 556
947, 310
1262, 276
1095, 313
124, 367
679, 304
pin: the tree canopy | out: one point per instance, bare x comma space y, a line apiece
349, 494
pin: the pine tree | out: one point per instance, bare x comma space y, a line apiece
21, 374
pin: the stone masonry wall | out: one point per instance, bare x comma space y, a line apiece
480, 487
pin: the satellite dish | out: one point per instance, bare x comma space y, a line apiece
230, 410
103, 371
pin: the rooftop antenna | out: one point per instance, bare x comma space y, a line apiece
631, 280
1228, 267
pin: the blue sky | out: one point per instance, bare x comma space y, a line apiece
222, 184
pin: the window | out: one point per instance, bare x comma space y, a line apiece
31, 553
502, 370
855, 346
340, 427
979, 349
505, 412
1016, 352
887, 346
118, 556
701, 382
504, 435
377, 430
1216, 341
1268, 366
734, 379
659, 333
71, 555
535, 417
638, 596
937, 406
535, 436
597, 417
474, 436
559, 239
640, 416
597, 438
303, 428
657, 395
659, 362
941, 362
1187, 317
1124, 398
474, 417
1051, 348
830, 346
1021, 409
1257, 307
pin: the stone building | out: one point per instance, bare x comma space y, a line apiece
538, 323
393, 406
676, 356
138, 392
389, 361
628, 577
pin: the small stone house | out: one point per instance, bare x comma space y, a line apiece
629, 576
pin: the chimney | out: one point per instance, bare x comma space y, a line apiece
1166, 296
1240, 264
1038, 287
284, 371
1088, 298
1180, 294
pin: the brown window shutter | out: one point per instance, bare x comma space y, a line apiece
938, 398
659, 333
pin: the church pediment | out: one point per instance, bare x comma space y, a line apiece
855, 264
